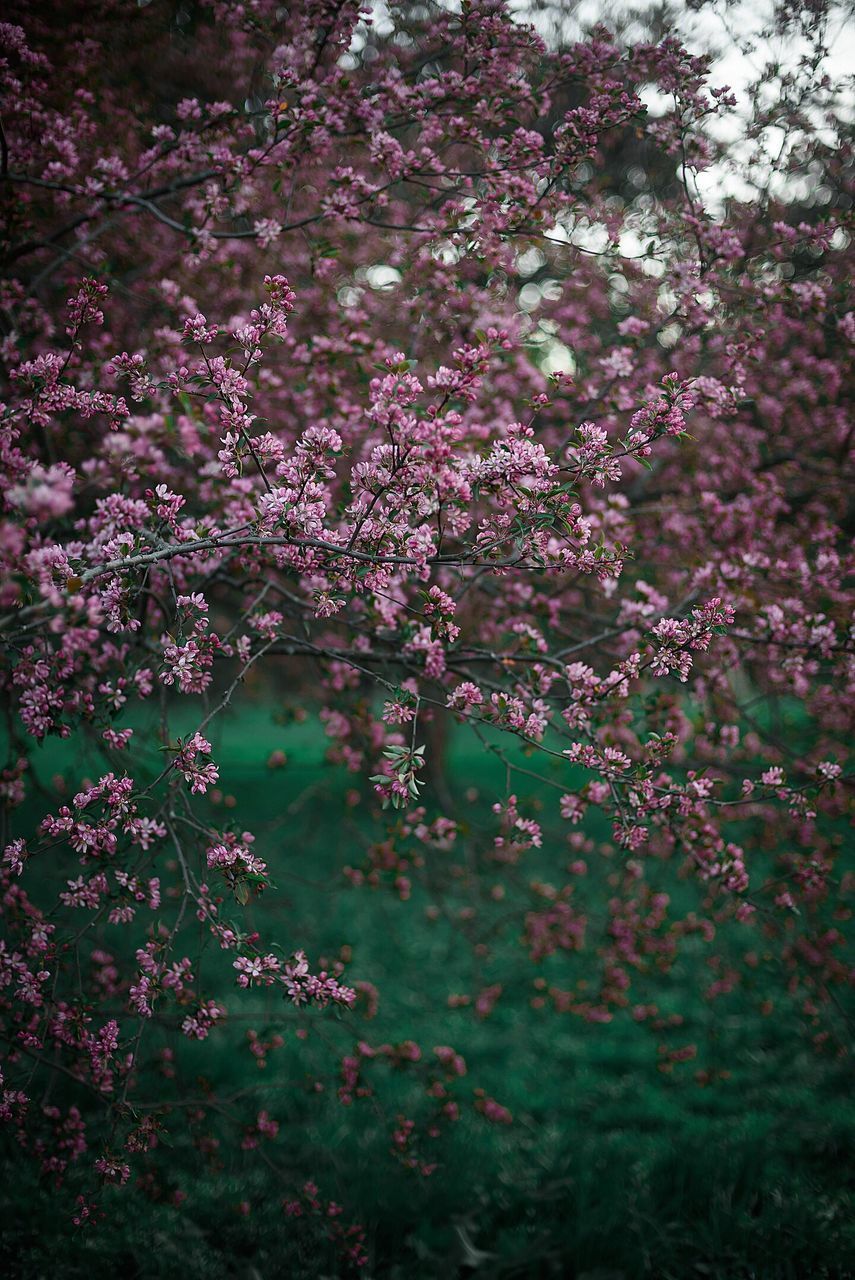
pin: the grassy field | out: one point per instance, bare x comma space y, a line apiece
611, 1168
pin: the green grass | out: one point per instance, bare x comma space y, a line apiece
611, 1167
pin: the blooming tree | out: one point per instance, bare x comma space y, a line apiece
405, 361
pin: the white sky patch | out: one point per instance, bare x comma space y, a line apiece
557, 358
382, 276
